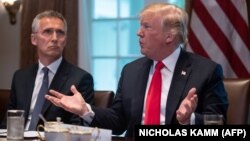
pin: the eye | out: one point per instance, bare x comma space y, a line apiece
47, 32
60, 32
146, 26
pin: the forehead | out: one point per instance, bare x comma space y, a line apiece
150, 17
51, 23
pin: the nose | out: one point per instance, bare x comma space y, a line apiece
139, 32
54, 36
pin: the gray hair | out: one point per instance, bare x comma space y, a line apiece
173, 18
47, 14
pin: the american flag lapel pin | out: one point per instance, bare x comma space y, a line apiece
183, 73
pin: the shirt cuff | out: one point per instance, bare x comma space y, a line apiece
192, 120
88, 116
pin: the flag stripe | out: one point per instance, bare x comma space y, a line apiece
240, 25
241, 5
211, 49
231, 34
219, 38
197, 46
219, 31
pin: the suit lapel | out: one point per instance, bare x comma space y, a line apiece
177, 87
30, 88
138, 102
58, 82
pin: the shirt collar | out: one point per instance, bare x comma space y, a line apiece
171, 60
52, 67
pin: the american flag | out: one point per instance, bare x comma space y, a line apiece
219, 30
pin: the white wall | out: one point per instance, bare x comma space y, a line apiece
9, 48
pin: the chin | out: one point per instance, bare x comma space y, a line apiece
55, 54
143, 52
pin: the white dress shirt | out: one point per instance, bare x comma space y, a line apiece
38, 83
167, 75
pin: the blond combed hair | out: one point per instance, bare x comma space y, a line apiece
173, 18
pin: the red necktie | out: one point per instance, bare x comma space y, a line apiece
153, 102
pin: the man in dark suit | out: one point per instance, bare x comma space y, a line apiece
191, 85
49, 33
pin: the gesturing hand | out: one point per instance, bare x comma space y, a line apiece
187, 107
74, 104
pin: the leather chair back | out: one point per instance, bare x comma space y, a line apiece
103, 99
239, 100
4, 98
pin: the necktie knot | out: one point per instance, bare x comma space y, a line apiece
45, 70
159, 65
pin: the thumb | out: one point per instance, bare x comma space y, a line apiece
191, 93
73, 89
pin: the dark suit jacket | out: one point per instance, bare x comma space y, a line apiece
127, 109
66, 75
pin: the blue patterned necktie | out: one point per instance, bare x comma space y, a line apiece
40, 100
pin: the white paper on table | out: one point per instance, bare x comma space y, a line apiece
3, 132
104, 134
27, 134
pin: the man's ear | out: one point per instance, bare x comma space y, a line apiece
33, 39
169, 37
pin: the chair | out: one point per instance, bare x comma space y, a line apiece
4, 98
103, 99
239, 100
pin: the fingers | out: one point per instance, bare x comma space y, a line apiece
73, 89
192, 99
187, 107
183, 118
191, 93
56, 94
185, 110
54, 100
178, 115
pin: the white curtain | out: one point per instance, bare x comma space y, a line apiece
84, 53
